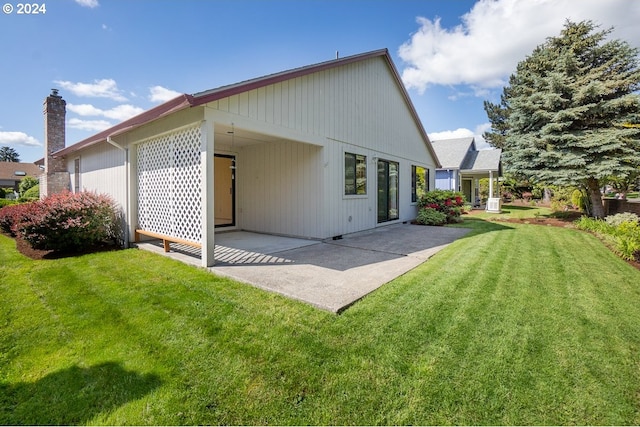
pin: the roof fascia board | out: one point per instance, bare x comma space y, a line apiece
179, 103
184, 101
235, 89
412, 108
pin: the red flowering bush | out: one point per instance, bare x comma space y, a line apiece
438, 207
64, 221
11, 215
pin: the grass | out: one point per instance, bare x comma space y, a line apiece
515, 212
514, 324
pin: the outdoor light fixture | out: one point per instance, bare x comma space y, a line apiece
232, 132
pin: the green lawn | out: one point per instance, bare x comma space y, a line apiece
514, 212
514, 324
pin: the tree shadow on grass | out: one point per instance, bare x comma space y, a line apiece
518, 208
479, 226
72, 396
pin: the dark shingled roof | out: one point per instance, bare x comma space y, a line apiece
461, 154
452, 152
8, 170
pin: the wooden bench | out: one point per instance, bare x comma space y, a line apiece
166, 240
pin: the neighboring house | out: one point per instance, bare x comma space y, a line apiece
11, 173
315, 152
463, 166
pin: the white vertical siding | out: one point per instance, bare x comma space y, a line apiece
355, 108
102, 169
295, 186
358, 103
279, 188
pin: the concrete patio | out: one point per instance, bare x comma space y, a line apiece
329, 274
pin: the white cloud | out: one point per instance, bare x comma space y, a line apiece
161, 94
89, 125
450, 134
88, 3
18, 138
105, 88
120, 113
496, 34
481, 143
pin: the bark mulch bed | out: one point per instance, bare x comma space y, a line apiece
25, 249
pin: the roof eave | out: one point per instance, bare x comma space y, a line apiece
245, 86
224, 92
184, 101
176, 104
478, 170
412, 109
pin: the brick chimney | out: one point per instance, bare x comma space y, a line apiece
56, 174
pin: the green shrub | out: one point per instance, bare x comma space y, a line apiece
621, 218
578, 199
450, 203
31, 194
26, 183
559, 206
594, 225
7, 202
628, 239
621, 232
430, 216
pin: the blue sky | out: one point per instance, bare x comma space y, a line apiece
112, 59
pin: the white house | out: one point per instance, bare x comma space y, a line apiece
314, 152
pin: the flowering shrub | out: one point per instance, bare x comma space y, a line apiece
63, 222
447, 203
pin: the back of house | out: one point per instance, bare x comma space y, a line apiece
315, 152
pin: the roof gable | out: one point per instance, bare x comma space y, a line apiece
200, 98
461, 154
452, 152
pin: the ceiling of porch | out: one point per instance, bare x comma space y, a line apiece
228, 135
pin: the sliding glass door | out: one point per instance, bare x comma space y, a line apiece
387, 191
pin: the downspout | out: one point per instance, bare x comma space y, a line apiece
126, 186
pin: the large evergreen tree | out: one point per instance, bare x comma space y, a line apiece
8, 154
568, 114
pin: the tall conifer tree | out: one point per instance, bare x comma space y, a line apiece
568, 115
8, 154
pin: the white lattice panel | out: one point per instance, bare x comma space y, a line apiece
169, 197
